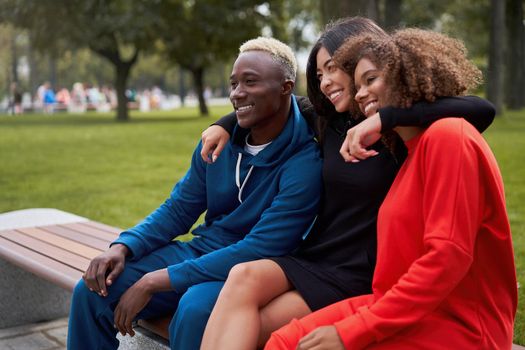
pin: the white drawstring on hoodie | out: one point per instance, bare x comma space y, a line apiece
238, 176
253, 150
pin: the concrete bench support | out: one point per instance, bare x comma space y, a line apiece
26, 298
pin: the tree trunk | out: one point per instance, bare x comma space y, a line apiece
121, 82
182, 86
198, 82
496, 55
392, 15
122, 70
53, 71
279, 21
515, 77
224, 84
33, 85
14, 59
372, 11
334, 9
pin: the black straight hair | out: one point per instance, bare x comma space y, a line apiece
333, 36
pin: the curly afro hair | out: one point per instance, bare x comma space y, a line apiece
417, 65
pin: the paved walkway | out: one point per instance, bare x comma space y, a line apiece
52, 336
37, 336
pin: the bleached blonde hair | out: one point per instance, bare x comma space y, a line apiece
281, 53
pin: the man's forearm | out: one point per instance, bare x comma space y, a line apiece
156, 281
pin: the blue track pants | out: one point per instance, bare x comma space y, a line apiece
91, 316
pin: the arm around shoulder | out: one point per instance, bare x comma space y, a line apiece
227, 122
477, 111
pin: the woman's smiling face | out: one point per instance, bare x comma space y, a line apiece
370, 86
334, 83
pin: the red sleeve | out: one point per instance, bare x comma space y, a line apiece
451, 198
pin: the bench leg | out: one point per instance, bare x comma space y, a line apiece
26, 298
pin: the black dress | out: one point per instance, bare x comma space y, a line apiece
337, 258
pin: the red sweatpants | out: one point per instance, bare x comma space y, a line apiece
288, 336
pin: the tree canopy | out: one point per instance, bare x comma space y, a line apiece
117, 30
202, 36
196, 34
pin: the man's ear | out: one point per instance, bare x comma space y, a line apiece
287, 87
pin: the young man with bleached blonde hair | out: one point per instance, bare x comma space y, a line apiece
282, 54
260, 198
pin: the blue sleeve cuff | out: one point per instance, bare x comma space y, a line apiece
179, 279
135, 248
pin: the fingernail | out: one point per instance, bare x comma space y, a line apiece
214, 158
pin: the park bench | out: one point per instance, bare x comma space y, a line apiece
43, 253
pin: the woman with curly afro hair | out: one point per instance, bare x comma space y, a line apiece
445, 275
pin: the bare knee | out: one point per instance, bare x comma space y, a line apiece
246, 275
243, 283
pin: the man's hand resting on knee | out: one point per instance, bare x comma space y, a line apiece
137, 297
103, 269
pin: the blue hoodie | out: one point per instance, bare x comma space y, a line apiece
257, 206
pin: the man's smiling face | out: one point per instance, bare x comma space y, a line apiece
256, 88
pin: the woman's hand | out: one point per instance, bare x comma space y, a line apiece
213, 141
322, 338
359, 137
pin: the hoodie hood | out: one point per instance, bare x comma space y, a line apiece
295, 135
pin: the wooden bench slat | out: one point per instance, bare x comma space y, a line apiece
103, 227
93, 242
79, 228
64, 243
95, 232
48, 250
51, 270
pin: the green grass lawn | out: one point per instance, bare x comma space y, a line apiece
507, 139
117, 173
95, 167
